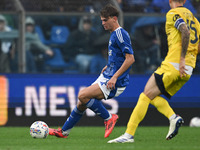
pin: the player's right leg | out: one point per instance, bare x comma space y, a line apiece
57, 132
151, 90
175, 124
136, 117
169, 82
164, 108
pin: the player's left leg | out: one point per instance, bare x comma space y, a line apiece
87, 95
86, 100
150, 92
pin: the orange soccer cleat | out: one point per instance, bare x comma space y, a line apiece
110, 124
57, 133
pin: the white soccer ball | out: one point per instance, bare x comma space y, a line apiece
195, 122
39, 129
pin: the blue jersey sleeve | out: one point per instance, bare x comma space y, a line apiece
124, 42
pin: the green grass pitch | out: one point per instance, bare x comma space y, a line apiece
92, 138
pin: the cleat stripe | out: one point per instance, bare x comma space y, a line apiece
178, 125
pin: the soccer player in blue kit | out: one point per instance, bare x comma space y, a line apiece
112, 81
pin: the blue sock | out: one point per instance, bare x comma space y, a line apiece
97, 107
74, 117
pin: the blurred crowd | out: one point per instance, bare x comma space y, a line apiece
146, 6
154, 6
78, 44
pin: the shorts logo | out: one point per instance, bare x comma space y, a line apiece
102, 83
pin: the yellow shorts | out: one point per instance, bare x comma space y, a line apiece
168, 79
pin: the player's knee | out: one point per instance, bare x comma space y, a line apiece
81, 106
82, 97
150, 94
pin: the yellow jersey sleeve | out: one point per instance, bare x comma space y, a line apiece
174, 18
197, 26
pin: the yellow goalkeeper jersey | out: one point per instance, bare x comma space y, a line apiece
174, 18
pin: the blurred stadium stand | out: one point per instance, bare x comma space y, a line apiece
49, 14
63, 5
95, 5
7, 5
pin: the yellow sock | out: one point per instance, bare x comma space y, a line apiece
138, 114
162, 106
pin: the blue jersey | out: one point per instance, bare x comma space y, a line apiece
119, 45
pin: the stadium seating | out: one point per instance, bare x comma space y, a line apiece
59, 34
57, 63
40, 33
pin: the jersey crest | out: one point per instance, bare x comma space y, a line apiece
176, 16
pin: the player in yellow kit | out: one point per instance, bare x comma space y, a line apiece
183, 33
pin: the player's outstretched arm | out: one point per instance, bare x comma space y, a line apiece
185, 36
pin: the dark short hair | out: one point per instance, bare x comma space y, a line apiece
109, 11
180, 1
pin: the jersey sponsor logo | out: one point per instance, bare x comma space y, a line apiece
176, 16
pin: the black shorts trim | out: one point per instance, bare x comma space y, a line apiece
160, 85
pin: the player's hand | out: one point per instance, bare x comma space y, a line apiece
111, 83
104, 69
182, 68
49, 52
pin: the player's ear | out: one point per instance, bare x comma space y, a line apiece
115, 18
